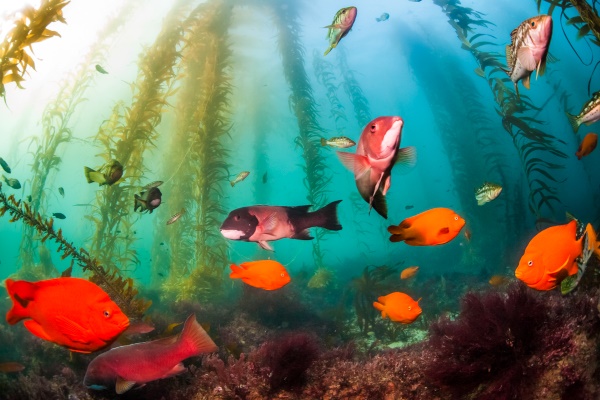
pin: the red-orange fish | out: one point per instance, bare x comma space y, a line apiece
398, 307
9, 367
555, 253
71, 312
264, 274
136, 364
408, 272
429, 228
587, 145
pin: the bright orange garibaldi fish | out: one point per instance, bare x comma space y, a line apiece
399, 307
553, 254
71, 312
264, 274
408, 272
429, 228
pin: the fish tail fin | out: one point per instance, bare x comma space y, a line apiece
193, 339
380, 307
236, 271
325, 217
574, 122
589, 247
232, 183
93, 176
323, 142
21, 293
398, 232
87, 171
378, 19
328, 50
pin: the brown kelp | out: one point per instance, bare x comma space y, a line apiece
303, 105
30, 28
120, 289
362, 111
198, 250
325, 75
586, 23
534, 146
56, 128
127, 134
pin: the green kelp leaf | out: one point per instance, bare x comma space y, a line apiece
568, 284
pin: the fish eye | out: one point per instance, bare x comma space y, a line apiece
106, 314
530, 263
532, 24
456, 217
409, 308
237, 217
282, 275
373, 128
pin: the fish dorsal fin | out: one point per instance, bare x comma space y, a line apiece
122, 385
265, 245
526, 58
509, 60
71, 329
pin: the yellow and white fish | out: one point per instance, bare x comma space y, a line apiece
341, 25
487, 192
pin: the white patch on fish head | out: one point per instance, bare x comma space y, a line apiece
391, 139
232, 234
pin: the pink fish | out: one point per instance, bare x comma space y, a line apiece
136, 364
376, 153
265, 223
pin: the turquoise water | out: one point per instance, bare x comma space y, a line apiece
413, 65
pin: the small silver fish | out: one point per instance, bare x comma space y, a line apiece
175, 217
5, 166
589, 114
341, 142
487, 192
153, 185
12, 182
240, 177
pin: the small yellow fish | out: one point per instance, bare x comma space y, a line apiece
487, 192
109, 174
240, 177
498, 280
341, 142
175, 217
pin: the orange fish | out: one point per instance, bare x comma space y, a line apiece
8, 367
587, 145
408, 272
398, 307
555, 253
264, 274
498, 280
71, 312
430, 228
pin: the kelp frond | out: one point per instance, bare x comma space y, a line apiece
31, 27
121, 290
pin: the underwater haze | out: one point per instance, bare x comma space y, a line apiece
242, 161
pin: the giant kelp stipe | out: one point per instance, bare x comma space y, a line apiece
122, 126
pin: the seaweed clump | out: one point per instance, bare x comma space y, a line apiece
120, 290
515, 345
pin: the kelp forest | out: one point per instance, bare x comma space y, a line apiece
151, 150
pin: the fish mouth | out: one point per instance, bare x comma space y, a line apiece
232, 234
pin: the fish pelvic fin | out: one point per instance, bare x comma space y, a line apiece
193, 339
123, 385
574, 121
265, 245
527, 81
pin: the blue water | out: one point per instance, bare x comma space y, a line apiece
411, 65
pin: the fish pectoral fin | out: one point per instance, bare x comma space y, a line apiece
71, 329
176, 370
36, 329
265, 245
526, 58
268, 224
356, 163
122, 385
406, 159
444, 231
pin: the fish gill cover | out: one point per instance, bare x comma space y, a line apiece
167, 103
